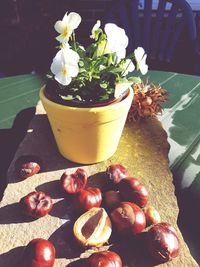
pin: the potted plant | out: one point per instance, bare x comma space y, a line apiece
88, 93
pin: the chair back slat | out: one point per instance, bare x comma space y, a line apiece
134, 21
173, 41
156, 30
168, 32
147, 25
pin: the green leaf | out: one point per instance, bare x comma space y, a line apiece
104, 85
134, 79
67, 97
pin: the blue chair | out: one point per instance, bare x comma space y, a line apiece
158, 30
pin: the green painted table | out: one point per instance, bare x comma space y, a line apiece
180, 119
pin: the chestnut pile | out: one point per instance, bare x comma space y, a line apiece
124, 208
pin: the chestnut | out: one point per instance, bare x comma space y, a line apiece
163, 242
103, 259
152, 215
131, 189
27, 166
111, 199
128, 218
39, 253
116, 172
88, 198
73, 183
36, 204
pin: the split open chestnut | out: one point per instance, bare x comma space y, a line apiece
36, 204
93, 228
73, 183
103, 259
131, 189
163, 242
128, 218
39, 253
116, 172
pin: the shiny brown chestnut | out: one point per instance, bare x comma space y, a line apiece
36, 204
152, 215
27, 166
111, 199
103, 259
163, 242
73, 183
88, 198
116, 172
38, 253
131, 189
128, 218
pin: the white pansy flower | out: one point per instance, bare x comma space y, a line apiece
66, 26
65, 66
128, 67
141, 57
95, 28
117, 40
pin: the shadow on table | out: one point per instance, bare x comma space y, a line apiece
13, 257
9, 141
188, 201
39, 143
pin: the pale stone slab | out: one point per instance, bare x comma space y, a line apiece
143, 149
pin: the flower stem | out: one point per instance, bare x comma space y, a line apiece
74, 41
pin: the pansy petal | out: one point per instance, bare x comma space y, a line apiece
70, 56
116, 35
55, 67
56, 64
74, 19
72, 70
63, 79
60, 26
65, 18
143, 68
95, 28
61, 38
121, 54
139, 53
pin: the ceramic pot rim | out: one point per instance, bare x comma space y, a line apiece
85, 109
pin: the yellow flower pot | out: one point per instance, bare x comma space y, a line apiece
87, 135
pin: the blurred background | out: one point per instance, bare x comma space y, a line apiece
28, 36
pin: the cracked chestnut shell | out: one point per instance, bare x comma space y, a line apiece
163, 242
128, 218
73, 183
93, 228
88, 198
39, 253
103, 259
36, 204
117, 172
131, 189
